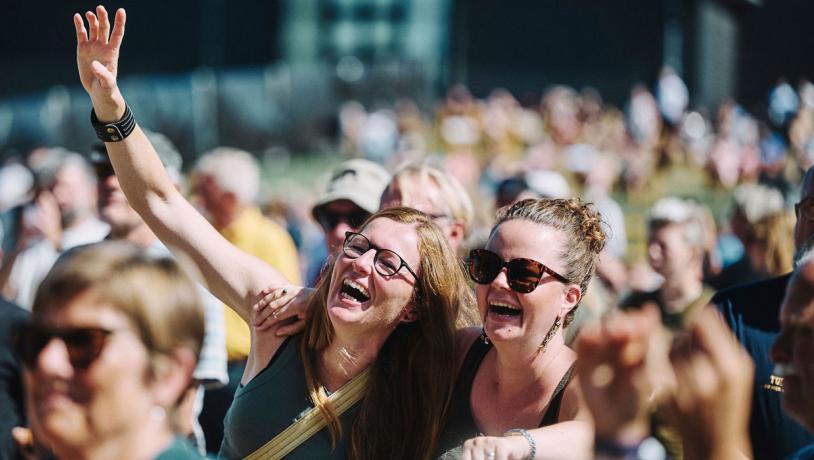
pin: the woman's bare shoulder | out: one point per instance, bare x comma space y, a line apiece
463, 341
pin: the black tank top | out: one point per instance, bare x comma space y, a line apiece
460, 424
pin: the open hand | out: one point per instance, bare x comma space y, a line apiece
97, 58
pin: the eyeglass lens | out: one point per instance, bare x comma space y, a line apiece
387, 262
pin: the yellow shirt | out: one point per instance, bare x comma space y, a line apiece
254, 233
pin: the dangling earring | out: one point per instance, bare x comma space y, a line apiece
484, 337
550, 334
158, 413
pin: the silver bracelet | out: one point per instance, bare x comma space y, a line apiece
529, 439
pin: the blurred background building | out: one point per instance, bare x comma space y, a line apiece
262, 74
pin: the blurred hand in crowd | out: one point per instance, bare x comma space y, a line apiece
618, 367
49, 221
712, 399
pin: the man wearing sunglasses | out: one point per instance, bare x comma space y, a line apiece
351, 196
752, 312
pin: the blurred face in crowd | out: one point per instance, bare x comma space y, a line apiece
804, 228
114, 209
373, 291
338, 217
73, 192
210, 194
424, 196
793, 350
91, 381
669, 252
512, 316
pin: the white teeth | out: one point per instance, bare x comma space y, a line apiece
785, 370
504, 305
357, 286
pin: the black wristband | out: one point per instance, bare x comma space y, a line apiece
116, 131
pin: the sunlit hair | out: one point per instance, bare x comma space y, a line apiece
153, 293
774, 234
411, 381
452, 198
234, 170
581, 227
684, 213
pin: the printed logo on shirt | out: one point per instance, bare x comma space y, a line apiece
775, 384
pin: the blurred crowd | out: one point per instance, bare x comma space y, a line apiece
692, 202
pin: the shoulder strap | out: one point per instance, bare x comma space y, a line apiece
553, 412
469, 367
313, 421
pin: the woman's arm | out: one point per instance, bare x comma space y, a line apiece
232, 275
571, 439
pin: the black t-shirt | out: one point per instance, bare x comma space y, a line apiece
12, 412
752, 312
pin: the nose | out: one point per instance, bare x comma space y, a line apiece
779, 353
53, 359
501, 281
364, 263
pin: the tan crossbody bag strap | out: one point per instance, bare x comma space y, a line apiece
313, 421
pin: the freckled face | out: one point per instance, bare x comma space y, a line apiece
360, 296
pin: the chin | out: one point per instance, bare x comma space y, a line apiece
503, 333
342, 315
60, 429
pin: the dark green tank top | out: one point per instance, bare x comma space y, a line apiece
461, 424
270, 402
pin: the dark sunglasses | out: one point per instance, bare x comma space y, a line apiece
329, 220
84, 344
103, 169
523, 274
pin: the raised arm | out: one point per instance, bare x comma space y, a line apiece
232, 275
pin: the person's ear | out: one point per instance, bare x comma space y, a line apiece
171, 375
456, 233
571, 297
410, 314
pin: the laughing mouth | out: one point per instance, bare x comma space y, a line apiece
503, 309
354, 291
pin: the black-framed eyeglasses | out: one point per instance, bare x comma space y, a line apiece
523, 275
84, 344
328, 220
804, 209
386, 262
